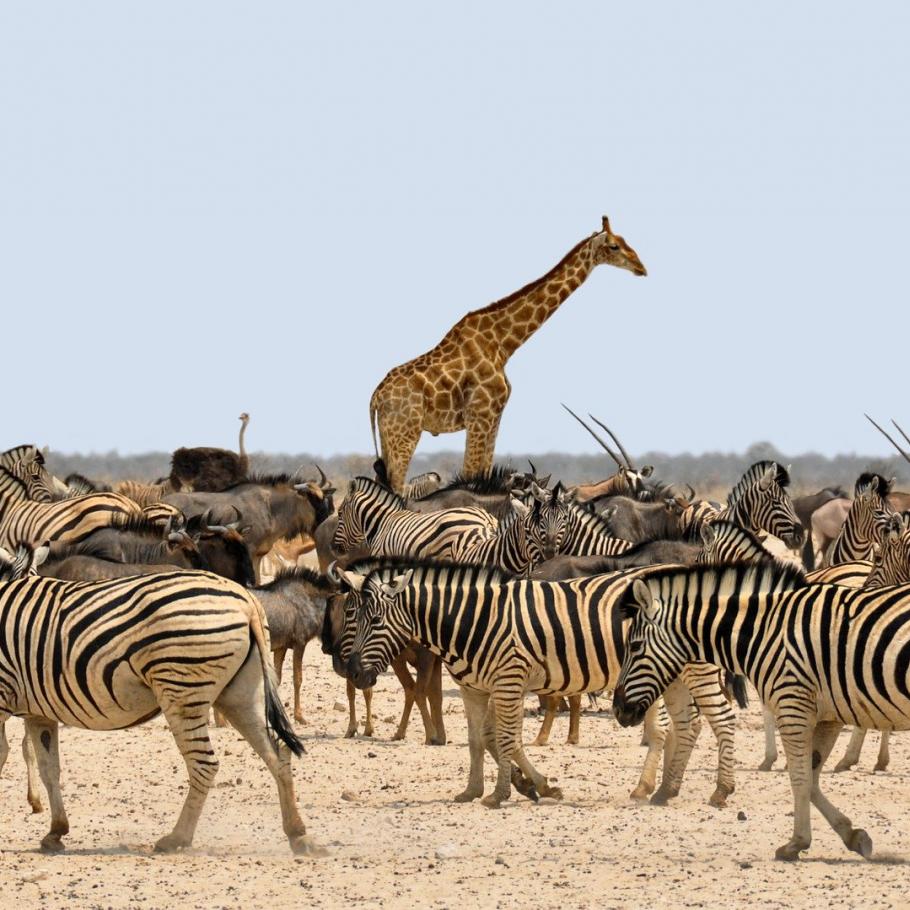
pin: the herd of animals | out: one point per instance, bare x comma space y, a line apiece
120, 604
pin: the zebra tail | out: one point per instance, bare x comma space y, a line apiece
275, 715
737, 685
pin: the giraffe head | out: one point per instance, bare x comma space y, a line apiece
611, 249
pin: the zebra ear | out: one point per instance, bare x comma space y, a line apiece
644, 601
540, 494
399, 583
765, 481
647, 470
40, 554
351, 579
708, 535
6, 556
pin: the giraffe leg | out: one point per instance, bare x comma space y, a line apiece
482, 425
46, 747
854, 748
297, 665
399, 442
243, 703
884, 756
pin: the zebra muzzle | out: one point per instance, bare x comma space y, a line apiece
362, 677
628, 714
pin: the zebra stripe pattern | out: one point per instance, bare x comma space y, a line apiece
25, 521
26, 462
865, 521
109, 655
374, 517
820, 657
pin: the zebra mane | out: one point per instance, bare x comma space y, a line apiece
136, 524
13, 488
865, 480
589, 519
772, 575
25, 452
729, 530
300, 573
385, 568
496, 480
375, 488
752, 474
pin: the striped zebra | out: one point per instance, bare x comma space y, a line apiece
26, 463
113, 654
145, 494
500, 638
865, 521
891, 567
523, 542
25, 521
820, 656
374, 518
588, 534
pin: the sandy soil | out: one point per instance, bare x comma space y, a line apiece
395, 838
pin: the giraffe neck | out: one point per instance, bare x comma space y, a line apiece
509, 323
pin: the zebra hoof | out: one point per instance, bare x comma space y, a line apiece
492, 801
843, 765
466, 796
660, 799
640, 794
860, 843
36, 807
304, 845
880, 767
767, 764
552, 792
349, 733
790, 851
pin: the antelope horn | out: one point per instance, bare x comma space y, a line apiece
603, 445
533, 469
899, 430
896, 446
615, 439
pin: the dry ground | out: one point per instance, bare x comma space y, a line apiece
123, 791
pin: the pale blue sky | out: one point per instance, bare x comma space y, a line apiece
209, 207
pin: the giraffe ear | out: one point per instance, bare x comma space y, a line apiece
606, 223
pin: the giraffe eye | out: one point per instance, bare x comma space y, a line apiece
614, 246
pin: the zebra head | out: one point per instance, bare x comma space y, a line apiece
724, 541
380, 631
547, 523
39, 483
760, 502
652, 659
24, 561
892, 561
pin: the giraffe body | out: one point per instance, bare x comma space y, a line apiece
461, 384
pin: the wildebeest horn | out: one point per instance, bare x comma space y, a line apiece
331, 574
615, 439
691, 492
309, 487
603, 445
533, 469
888, 437
323, 480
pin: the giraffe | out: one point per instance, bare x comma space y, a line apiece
461, 383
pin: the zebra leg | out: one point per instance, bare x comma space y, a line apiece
368, 720
884, 756
551, 703
854, 748
656, 726
475, 709
770, 741
31, 770
400, 666
4, 743
352, 710
190, 729
855, 839
46, 748
297, 665
796, 720
508, 712
574, 719
243, 703
684, 717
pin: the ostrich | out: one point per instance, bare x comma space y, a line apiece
209, 470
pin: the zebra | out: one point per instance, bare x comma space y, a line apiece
26, 463
110, 655
374, 517
891, 567
865, 521
422, 485
523, 542
25, 521
500, 637
588, 534
820, 656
